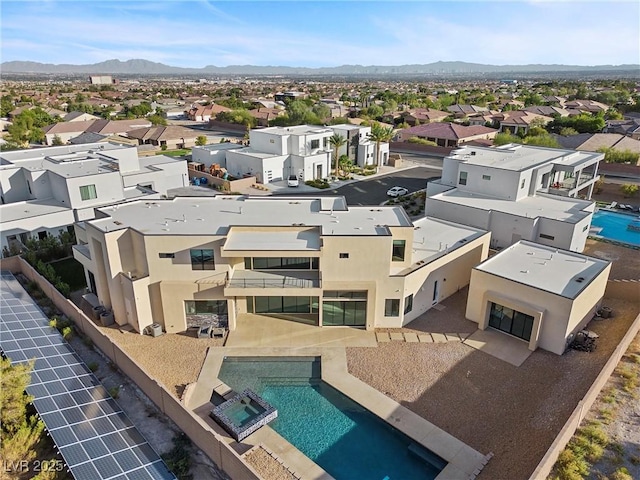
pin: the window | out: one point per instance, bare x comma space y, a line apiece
315, 144
325, 142
201, 307
344, 255
202, 259
463, 178
282, 263
42, 235
584, 229
345, 294
272, 141
486, 177
391, 307
522, 183
29, 187
397, 255
408, 303
285, 304
167, 255
510, 321
548, 237
88, 192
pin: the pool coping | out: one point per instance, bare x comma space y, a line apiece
463, 461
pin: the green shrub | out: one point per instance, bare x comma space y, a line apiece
114, 392
93, 366
621, 474
178, 459
67, 332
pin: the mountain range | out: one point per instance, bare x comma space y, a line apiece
146, 67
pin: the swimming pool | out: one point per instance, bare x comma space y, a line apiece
614, 226
345, 439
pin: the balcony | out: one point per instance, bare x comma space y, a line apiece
281, 279
81, 249
570, 186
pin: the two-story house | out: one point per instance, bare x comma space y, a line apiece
518, 192
46, 190
359, 147
278, 152
187, 261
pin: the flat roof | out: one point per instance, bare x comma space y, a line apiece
546, 206
40, 153
11, 212
433, 238
295, 130
545, 268
216, 215
282, 240
523, 157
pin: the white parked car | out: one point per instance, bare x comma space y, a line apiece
293, 181
397, 191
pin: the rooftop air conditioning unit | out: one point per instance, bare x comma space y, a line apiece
154, 330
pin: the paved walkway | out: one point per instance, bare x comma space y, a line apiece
410, 337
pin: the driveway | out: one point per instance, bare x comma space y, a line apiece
373, 191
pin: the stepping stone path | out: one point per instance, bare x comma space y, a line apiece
411, 337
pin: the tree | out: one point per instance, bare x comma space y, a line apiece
612, 155
380, 134
568, 131
157, 120
336, 141
201, 140
57, 141
322, 111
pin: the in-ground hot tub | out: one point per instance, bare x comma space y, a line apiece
243, 414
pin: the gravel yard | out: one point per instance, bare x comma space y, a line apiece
266, 466
514, 412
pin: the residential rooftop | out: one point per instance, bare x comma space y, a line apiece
546, 268
523, 157
40, 154
216, 215
554, 207
297, 130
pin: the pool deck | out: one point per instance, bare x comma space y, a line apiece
463, 461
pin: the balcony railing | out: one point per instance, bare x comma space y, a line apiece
260, 279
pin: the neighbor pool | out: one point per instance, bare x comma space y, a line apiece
345, 439
614, 227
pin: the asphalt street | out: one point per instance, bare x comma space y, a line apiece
373, 191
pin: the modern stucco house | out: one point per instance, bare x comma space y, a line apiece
358, 147
46, 190
518, 192
180, 262
537, 293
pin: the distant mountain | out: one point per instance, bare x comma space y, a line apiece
145, 67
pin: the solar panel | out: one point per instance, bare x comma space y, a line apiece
95, 437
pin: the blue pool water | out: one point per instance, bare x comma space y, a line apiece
346, 440
614, 226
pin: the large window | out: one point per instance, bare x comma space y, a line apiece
397, 255
463, 178
285, 304
344, 307
202, 259
281, 263
392, 307
200, 307
315, 144
88, 192
511, 321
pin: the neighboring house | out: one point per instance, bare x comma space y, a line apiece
518, 192
90, 137
171, 137
188, 261
204, 113
461, 111
214, 153
539, 294
68, 130
629, 127
423, 115
586, 106
519, 122
359, 148
447, 134
278, 152
547, 111
289, 96
46, 190
264, 115
79, 117
101, 80
592, 142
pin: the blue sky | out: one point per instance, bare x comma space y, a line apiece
328, 33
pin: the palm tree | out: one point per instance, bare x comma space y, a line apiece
336, 141
380, 134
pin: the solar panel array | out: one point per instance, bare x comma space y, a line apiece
95, 437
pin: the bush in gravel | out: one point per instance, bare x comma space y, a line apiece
178, 459
630, 379
621, 474
570, 466
114, 392
93, 366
